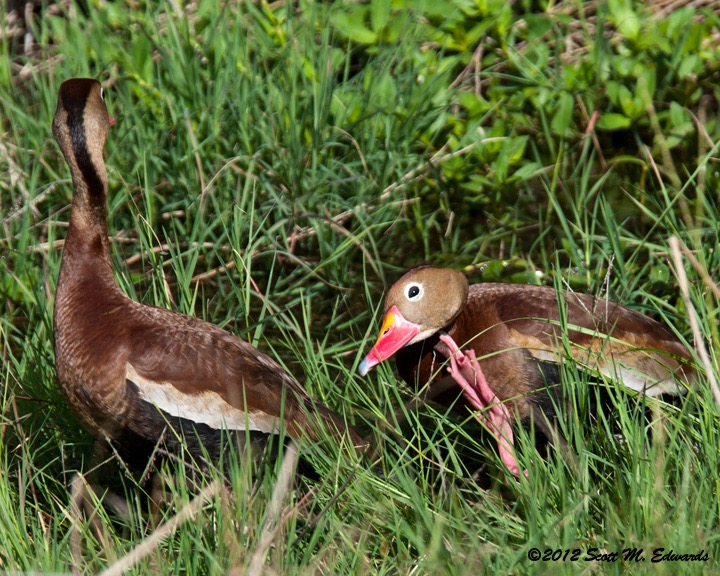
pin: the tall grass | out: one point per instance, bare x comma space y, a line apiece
271, 173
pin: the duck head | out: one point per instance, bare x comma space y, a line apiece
422, 302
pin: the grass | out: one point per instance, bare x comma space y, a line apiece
273, 168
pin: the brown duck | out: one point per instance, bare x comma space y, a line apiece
136, 374
504, 343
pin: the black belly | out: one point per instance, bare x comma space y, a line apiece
149, 433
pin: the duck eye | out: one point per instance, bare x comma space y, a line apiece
414, 292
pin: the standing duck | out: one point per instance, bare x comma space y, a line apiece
133, 374
504, 343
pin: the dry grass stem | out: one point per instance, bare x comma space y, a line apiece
693, 317
272, 515
152, 542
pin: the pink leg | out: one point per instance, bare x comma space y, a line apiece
466, 371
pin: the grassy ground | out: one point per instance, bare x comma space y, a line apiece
274, 167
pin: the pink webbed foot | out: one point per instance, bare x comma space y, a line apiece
466, 371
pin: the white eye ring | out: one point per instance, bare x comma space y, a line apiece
414, 291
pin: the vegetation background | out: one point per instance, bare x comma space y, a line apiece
275, 166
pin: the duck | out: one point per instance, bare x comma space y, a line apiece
503, 345
136, 376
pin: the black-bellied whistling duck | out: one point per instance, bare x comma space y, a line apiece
504, 341
136, 374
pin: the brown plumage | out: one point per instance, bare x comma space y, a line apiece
516, 334
134, 373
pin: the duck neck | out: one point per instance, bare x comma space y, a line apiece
86, 255
87, 241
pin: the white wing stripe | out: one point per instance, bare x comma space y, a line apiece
204, 408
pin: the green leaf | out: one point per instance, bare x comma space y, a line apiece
563, 116
537, 25
384, 92
678, 116
526, 172
613, 91
690, 65
379, 14
660, 273
475, 104
645, 89
141, 60
625, 18
612, 121
353, 26
627, 102
516, 148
